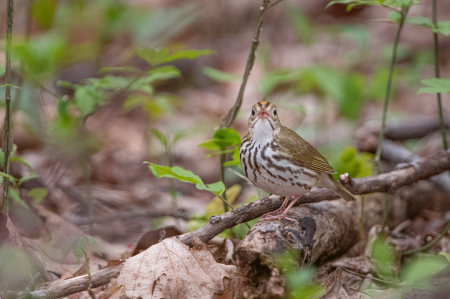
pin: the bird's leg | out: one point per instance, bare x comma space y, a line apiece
283, 213
278, 211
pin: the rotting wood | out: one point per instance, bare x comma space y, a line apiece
321, 230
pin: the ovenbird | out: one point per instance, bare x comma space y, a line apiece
279, 161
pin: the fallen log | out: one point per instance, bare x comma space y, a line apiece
321, 231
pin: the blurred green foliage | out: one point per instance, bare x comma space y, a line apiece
354, 163
80, 246
16, 268
299, 280
436, 85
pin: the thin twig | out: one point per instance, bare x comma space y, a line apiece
228, 120
404, 12
7, 123
432, 243
240, 175
371, 277
275, 3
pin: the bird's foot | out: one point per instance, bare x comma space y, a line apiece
278, 215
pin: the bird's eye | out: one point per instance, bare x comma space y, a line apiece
274, 112
253, 112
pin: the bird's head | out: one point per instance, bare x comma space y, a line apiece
264, 119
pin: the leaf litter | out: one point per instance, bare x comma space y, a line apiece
170, 269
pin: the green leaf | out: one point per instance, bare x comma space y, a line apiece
162, 73
86, 98
395, 16
43, 12
94, 244
125, 69
2, 70
10, 85
222, 139
444, 28
217, 188
158, 56
218, 75
421, 268
26, 178
22, 161
162, 138
79, 247
154, 56
38, 194
188, 54
66, 84
11, 178
186, 176
355, 164
300, 22
166, 69
236, 158
177, 137
422, 21
175, 172
437, 85
272, 80
14, 194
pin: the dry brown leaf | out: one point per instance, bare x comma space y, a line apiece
170, 269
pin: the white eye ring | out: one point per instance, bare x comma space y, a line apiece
274, 112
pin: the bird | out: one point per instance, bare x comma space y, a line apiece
279, 161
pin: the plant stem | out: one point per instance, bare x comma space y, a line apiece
425, 247
228, 120
404, 12
441, 117
88, 184
438, 75
222, 178
7, 123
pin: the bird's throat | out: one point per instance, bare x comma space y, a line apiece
263, 130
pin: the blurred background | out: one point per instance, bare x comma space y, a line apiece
93, 103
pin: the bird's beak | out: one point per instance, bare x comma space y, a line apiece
263, 113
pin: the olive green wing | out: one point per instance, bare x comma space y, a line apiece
301, 153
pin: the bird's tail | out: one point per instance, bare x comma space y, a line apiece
327, 180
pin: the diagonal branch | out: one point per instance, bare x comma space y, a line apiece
385, 182
228, 120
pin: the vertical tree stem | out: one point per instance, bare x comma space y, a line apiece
404, 12
7, 123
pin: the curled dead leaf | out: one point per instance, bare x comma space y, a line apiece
170, 269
